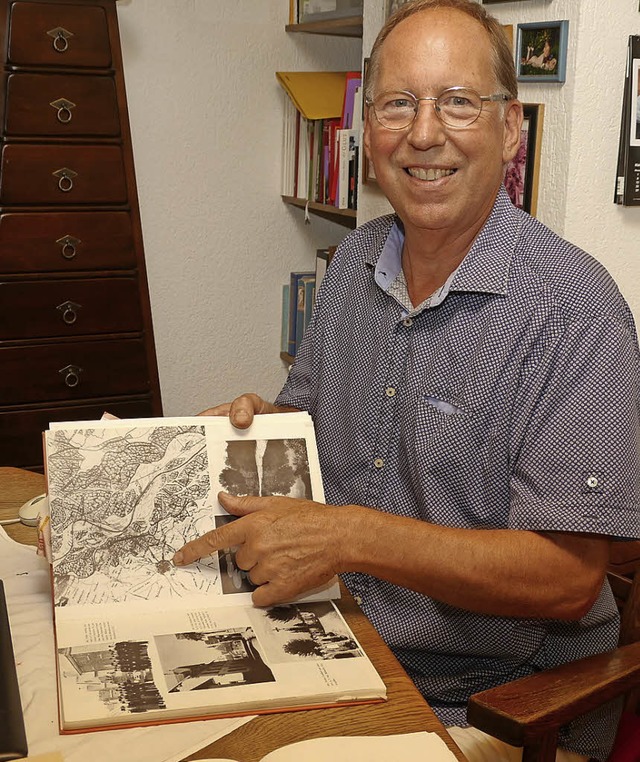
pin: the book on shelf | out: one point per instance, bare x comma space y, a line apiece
627, 190
317, 106
294, 308
403, 746
140, 641
284, 327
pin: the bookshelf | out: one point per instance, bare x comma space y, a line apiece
350, 27
343, 27
346, 217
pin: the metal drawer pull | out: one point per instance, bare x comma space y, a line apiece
71, 375
69, 311
69, 246
60, 38
65, 178
63, 107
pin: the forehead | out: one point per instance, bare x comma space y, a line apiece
435, 49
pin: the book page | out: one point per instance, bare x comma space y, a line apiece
124, 495
207, 662
427, 747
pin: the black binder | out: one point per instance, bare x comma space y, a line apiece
13, 738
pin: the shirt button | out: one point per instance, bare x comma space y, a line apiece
358, 600
592, 481
407, 322
390, 391
378, 462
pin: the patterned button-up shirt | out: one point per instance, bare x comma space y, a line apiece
510, 399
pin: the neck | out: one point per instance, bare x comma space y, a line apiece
428, 260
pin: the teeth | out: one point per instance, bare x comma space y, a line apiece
429, 174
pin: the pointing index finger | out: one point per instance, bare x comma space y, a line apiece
227, 536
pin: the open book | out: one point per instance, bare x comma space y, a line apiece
141, 641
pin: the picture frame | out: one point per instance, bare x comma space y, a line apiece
541, 51
523, 172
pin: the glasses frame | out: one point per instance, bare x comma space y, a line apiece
495, 97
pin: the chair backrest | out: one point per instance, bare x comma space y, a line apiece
624, 578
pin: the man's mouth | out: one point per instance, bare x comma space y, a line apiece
429, 174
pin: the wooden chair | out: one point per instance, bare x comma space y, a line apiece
529, 712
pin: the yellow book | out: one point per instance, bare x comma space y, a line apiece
316, 94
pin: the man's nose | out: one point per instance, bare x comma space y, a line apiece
426, 128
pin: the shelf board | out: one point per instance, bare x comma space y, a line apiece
346, 27
345, 217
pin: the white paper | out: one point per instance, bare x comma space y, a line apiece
26, 580
426, 747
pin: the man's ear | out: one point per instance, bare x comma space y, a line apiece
512, 127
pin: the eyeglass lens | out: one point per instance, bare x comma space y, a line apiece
457, 107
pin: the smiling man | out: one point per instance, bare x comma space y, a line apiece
474, 383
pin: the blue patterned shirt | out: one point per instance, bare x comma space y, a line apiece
510, 399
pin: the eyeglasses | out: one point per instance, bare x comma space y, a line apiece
455, 107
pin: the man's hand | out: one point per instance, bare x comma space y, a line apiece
288, 546
242, 409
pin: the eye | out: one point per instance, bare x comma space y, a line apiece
396, 102
456, 101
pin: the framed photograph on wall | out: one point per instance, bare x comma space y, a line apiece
523, 172
541, 51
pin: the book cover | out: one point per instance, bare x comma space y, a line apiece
316, 94
141, 641
294, 277
353, 81
284, 326
304, 283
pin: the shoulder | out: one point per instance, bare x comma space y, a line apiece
367, 239
576, 282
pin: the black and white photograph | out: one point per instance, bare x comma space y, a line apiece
197, 661
263, 467
116, 676
303, 632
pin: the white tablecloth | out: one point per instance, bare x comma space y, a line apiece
28, 591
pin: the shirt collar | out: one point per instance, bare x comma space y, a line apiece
485, 268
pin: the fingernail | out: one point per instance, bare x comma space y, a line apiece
178, 558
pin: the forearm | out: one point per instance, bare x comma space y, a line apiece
499, 572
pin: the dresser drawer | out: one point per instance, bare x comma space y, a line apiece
59, 35
61, 104
42, 309
65, 241
62, 174
21, 431
72, 371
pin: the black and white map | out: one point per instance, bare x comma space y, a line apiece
122, 501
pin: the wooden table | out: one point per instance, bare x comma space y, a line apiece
405, 710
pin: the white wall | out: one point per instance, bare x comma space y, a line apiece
206, 116
205, 112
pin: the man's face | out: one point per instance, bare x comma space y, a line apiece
425, 54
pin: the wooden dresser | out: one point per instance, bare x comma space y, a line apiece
75, 324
